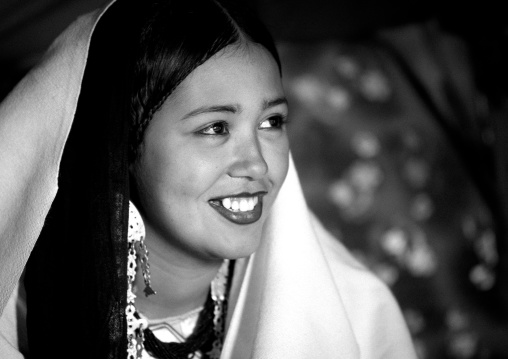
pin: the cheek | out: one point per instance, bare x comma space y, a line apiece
181, 171
277, 158
283, 168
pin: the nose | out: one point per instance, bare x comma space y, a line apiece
248, 161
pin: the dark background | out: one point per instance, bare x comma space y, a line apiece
27, 27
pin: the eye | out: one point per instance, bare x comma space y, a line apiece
276, 122
216, 128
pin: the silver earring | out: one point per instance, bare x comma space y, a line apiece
145, 268
137, 227
218, 293
135, 325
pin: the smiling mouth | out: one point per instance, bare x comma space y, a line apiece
243, 208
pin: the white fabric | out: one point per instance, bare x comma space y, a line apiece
13, 343
301, 295
35, 120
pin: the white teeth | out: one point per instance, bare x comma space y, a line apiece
243, 204
226, 202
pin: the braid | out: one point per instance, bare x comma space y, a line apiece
138, 130
139, 127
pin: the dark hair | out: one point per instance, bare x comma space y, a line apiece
177, 36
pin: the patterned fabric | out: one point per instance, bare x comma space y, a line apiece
378, 170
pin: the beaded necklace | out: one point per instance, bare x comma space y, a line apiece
208, 335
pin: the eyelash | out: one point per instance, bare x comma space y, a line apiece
281, 121
224, 131
221, 128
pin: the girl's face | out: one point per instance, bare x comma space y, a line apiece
215, 156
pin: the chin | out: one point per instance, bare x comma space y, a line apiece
240, 246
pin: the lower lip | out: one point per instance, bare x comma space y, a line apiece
247, 217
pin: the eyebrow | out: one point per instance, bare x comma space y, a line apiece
234, 108
208, 109
272, 103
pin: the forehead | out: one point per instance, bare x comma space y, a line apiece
236, 73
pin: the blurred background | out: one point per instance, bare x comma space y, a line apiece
399, 130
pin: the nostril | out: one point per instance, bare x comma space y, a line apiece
247, 159
249, 165
249, 169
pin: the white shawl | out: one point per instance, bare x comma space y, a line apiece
301, 295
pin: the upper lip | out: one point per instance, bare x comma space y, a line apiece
241, 195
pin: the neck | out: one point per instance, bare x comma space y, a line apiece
182, 282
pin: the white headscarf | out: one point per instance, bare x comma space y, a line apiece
301, 295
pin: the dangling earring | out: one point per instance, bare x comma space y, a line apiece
218, 292
135, 325
137, 227
145, 267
